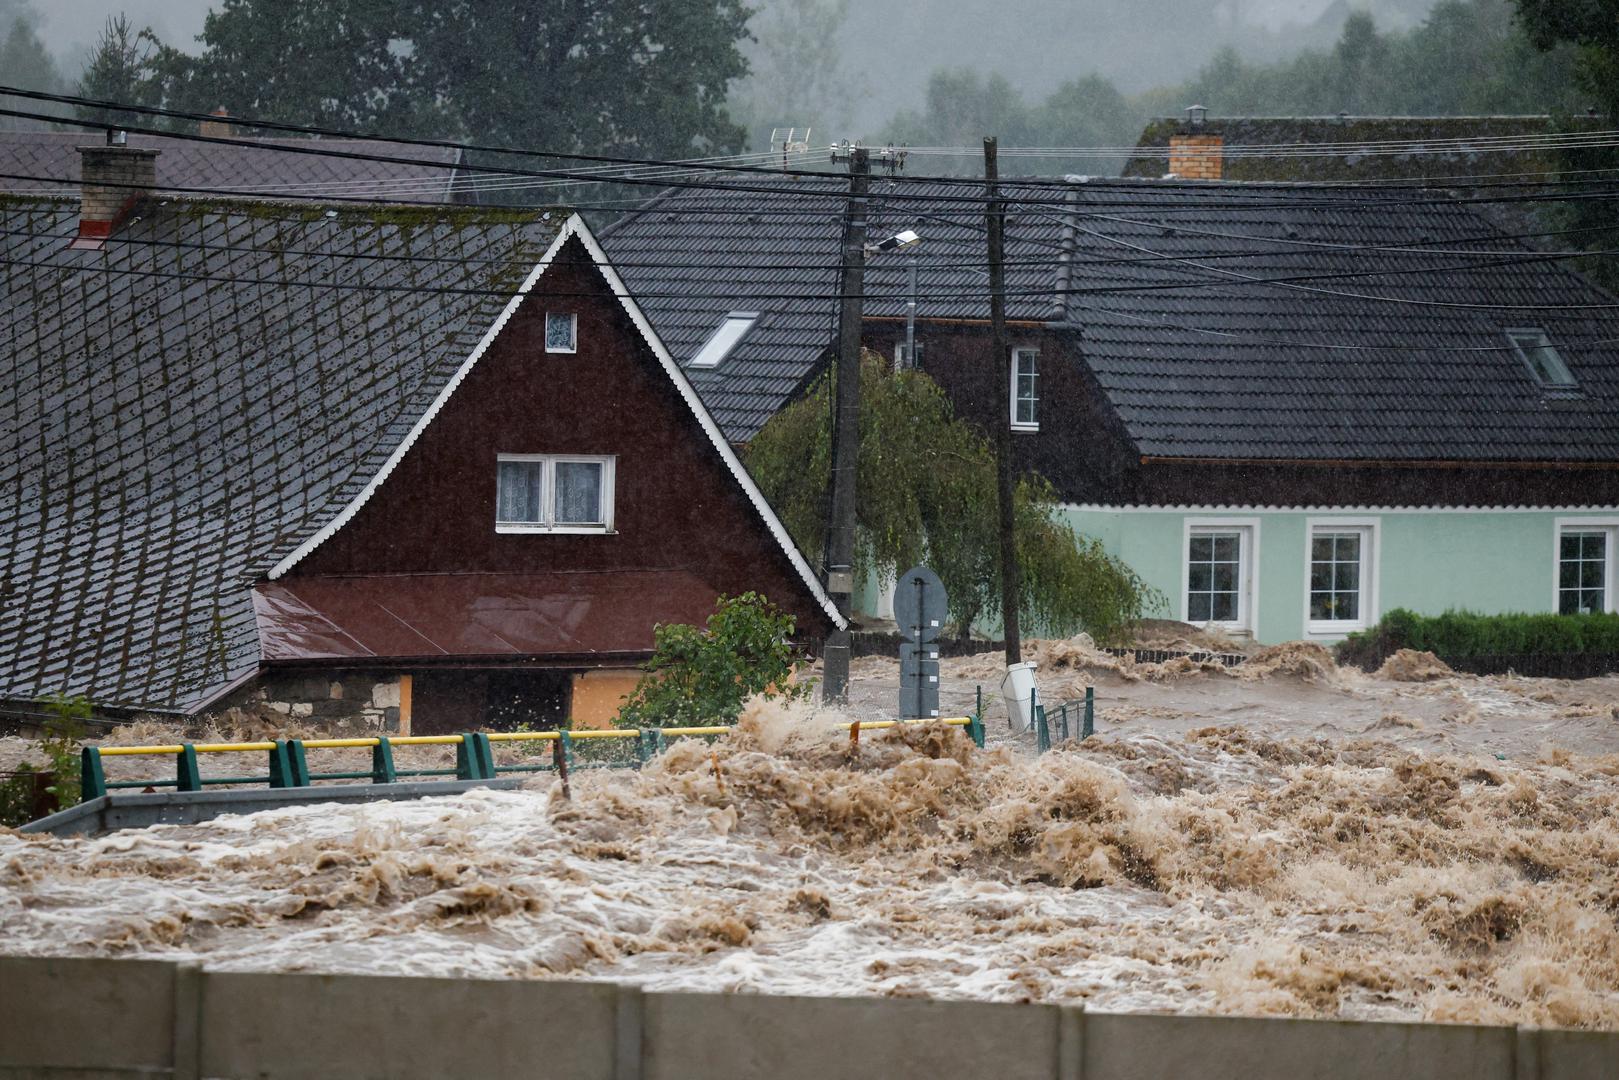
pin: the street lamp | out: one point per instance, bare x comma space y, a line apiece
907, 240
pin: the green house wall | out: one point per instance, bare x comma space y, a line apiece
1488, 561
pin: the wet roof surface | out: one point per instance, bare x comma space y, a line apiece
166, 438
1377, 330
259, 168
495, 616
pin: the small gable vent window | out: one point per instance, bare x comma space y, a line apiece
1535, 349
561, 332
552, 493
726, 337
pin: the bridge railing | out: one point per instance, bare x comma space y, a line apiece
288, 759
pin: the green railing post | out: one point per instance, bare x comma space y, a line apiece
645, 746
473, 759
975, 728
1062, 721
297, 764
1090, 713
565, 740
1042, 734
92, 780
186, 774
382, 762
280, 767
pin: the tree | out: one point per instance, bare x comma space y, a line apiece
1592, 26
120, 69
962, 107
602, 76
927, 493
795, 70
704, 676
26, 63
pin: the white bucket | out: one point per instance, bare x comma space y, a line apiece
1017, 687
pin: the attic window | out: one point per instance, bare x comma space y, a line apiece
561, 332
725, 338
1535, 349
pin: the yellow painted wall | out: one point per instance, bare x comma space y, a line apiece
597, 696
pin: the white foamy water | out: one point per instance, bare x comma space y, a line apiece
1213, 870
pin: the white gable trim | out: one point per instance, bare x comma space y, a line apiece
576, 227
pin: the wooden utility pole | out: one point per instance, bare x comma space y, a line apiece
995, 221
846, 428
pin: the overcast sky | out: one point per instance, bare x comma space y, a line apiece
70, 27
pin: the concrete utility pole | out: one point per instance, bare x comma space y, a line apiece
846, 428
995, 211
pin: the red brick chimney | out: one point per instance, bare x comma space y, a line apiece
218, 129
1195, 153
113, 179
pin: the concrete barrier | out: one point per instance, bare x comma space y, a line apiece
94, 1019
138, 810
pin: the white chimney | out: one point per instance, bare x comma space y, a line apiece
113, 179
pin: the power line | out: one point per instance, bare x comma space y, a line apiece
577, 176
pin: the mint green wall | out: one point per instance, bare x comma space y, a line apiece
1485, 561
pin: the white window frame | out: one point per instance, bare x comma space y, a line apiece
702, 359
573, 320
548, 494
1012, 374
1247, 570
1371, 549
1605, 524
1568, 381
899, 356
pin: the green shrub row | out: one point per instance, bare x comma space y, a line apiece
1463, 633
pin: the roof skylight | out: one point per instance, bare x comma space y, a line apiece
725, 338
1535, 349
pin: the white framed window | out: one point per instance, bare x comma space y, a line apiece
1221, 555
726, 337
1025, 389
903, 358
554, 493
561, 332
1586, 561
1541, 357
1340, 575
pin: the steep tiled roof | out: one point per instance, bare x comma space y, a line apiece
165, 439
1376, 355
693, 256
257, 168
1364, 354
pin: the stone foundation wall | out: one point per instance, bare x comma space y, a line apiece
342, 702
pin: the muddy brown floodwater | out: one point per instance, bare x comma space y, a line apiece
1292, 839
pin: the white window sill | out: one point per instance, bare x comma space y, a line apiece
599, 530
1332, 630
1026, 429
566, 351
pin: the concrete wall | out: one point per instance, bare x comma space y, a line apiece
92, 1018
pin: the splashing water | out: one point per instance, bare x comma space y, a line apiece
1213, 871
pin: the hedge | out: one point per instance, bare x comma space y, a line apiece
1458, 634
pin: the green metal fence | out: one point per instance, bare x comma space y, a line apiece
288, 759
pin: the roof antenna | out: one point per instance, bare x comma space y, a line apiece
792, 140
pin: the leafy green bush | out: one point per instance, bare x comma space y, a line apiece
703, 676
64, 731
1464, 633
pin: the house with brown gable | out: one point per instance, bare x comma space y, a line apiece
409, 468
